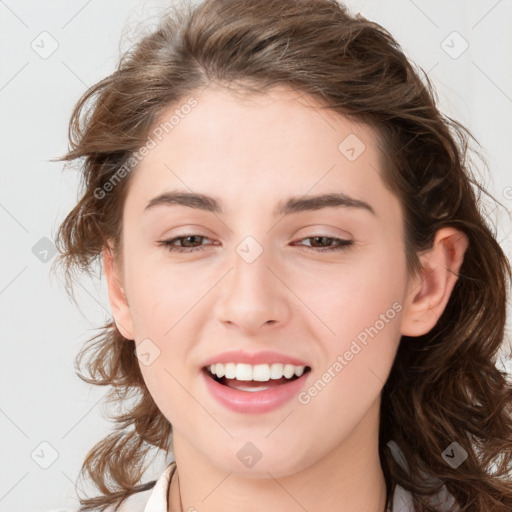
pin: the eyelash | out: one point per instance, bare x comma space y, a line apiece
341, 244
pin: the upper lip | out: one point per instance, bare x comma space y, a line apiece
262, 357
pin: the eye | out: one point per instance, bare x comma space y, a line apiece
188, 246
340, 243
192, 243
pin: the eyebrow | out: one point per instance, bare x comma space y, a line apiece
287, 207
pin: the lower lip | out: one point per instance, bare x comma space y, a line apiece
254, 401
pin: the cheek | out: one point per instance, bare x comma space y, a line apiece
362, 307
350, 308
364, 291
161, 294
355, 366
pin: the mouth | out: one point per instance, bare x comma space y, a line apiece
254, 378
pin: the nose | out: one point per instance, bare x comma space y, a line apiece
253, 296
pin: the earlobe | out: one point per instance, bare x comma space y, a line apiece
429, 292
118, 301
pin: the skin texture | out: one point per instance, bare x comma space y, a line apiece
251, 154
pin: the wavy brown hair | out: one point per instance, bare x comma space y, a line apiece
444, 386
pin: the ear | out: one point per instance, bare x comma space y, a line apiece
429, 292
118, 302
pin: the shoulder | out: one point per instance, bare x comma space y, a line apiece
151, 498
403, 502
135, 503
443, 501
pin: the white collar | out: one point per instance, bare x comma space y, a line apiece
158, 499
157, 502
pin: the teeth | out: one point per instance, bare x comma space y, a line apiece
229, 370
258, 372
243, 372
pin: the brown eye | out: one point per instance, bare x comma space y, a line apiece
192, 243
323, 243
188, 243
189, 240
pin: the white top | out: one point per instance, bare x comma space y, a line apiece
155, 499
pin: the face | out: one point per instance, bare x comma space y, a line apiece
263, 272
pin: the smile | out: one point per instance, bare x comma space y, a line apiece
258, 372
256, 388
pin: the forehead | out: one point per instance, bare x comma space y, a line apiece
252, 147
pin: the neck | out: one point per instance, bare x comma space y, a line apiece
348, 479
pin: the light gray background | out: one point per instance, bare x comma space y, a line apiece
42, 401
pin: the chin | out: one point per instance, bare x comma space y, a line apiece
260, 460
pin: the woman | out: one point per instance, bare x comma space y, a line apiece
303, 289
